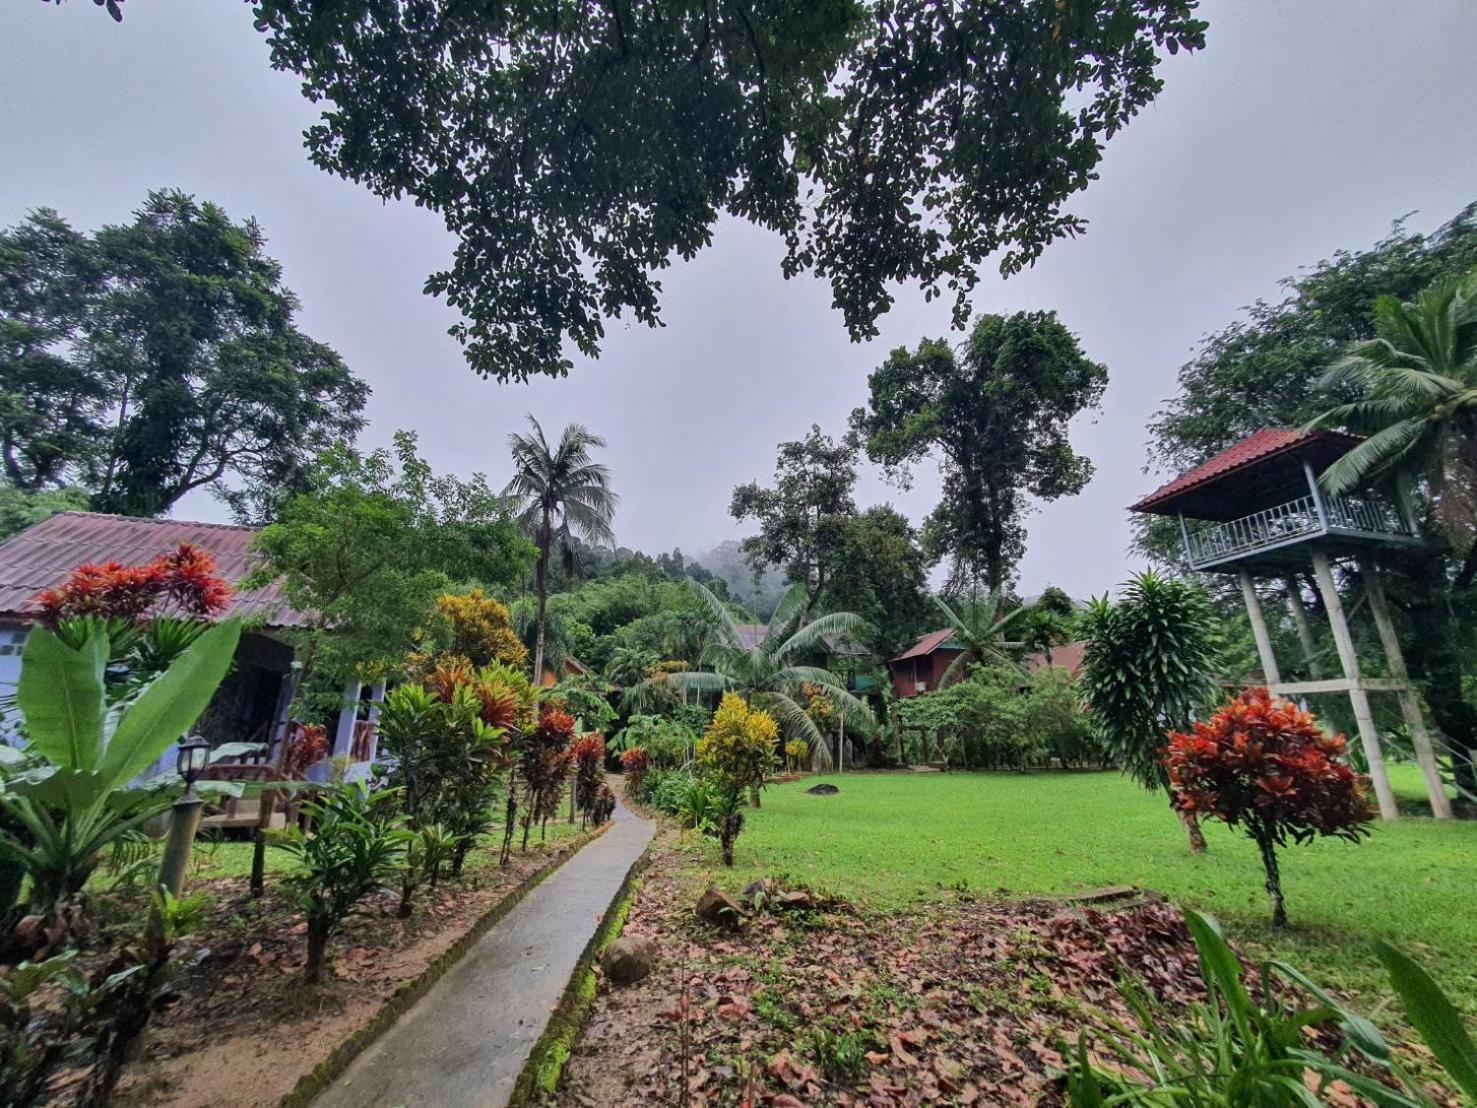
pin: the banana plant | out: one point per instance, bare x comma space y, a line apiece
68, 791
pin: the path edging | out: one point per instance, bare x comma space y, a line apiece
408, 992
544, 1068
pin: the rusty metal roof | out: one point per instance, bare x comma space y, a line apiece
927, 644
1069, 656
41, 556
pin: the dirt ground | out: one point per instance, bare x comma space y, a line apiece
966, 1002
245, 1028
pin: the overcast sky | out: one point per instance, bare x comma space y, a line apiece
1302, 128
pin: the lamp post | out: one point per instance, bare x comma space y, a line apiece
184, 819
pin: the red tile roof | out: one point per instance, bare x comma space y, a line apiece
1257, 445
930, 642
41, 556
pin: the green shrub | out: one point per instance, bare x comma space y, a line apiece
358, 843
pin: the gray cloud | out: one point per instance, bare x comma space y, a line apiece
1302, 129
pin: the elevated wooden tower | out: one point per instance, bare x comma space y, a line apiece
1257, 511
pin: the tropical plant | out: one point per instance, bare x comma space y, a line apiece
53, 1016
1230, 1050
797, 753
67, 792
980, 630
450, 742
588, 699
475, 627
369, 549
1415, 389
426, 851
1262, 764
772, 674
559, 492
357, 845
635, 764
589, 773
628, 664
735, 753
1147, 666
1433, 1015
666, 742
545, 756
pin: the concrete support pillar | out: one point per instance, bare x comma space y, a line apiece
1410, 705
1369, 737
1259, 628
1304, 625
376, 698
348, 715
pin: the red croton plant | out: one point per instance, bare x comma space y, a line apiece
1263, 764
183, 582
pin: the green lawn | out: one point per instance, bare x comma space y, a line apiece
888, 839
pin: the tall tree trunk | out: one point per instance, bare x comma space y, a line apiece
544, 550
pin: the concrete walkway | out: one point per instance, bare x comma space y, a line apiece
466, 1041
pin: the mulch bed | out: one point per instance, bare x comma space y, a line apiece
245, 1027
965, 1002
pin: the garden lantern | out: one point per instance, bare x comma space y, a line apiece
191, 760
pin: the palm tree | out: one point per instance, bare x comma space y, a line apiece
628, 664
559, 493
769, 673
982, 633
1415, 387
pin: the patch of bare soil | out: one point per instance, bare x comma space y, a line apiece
960, 1003
246, 1028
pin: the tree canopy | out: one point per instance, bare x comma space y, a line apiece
161, 356
996, 415
575, 150
369, 548
801, 519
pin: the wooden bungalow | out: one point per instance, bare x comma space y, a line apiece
252, 702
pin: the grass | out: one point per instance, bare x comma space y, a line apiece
889, 839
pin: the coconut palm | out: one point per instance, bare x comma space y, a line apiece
1415, 389
771, 674
559, 493
982, 631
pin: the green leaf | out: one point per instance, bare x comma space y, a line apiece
1222, 968
1433, 1015
171, 703
61, 698
58, 787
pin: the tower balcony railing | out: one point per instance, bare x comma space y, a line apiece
1292, 522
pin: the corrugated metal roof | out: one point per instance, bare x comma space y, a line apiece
927, 644
752, 634
1068, 656
1255, 447
41, 556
